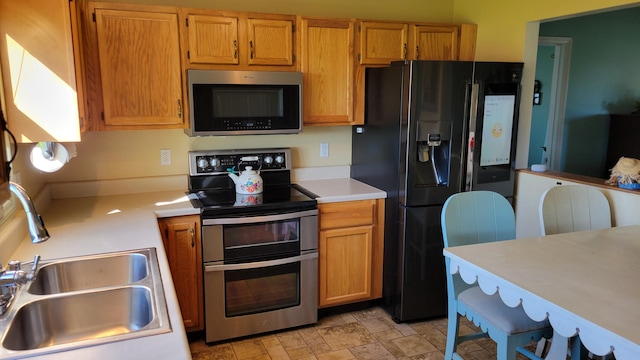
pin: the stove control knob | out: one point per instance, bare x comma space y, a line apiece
202, 163
214, 162
268, 160
280, 159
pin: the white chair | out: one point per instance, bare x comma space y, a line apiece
477, 217
569, 208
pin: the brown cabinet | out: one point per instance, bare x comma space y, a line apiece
327, 64
181, 238
350, 251
40, 74
381, 42
137, 51
238, 41
623, 140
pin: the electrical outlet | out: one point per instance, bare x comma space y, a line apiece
165, 157
324, 150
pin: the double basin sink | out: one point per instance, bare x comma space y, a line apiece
86, 301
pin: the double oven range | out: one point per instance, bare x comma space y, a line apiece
259, 251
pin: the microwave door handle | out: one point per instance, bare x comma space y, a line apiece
261, 264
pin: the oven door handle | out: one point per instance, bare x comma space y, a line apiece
260, 264
257, 219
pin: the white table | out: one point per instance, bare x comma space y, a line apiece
587, 282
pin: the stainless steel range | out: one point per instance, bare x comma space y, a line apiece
260, 251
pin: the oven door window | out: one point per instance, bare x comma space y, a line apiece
258, 290
261, 240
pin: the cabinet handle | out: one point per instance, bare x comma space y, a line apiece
251, 48
404, 56
235, 49
193, 237
179, 108
417, 53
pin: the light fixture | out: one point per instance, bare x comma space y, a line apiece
51, 156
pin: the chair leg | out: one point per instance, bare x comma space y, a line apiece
506, 348
453, 326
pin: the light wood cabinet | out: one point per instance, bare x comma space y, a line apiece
238, 41
41, 79
350, 251
379, 43
181, 238
137, 51
327, 64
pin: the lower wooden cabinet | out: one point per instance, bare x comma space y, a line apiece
181, 238
350, 251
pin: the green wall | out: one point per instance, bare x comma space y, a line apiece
540, 113
604, 78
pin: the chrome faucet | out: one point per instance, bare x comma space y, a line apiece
36, 226
13, 276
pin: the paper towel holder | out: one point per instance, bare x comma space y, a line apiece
49, 156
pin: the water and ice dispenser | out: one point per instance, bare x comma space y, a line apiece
434, 151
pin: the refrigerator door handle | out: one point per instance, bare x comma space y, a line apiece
473, 116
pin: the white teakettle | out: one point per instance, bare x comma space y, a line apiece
249, 181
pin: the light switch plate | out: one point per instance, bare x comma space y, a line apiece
324, 150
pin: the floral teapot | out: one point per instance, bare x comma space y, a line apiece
249, 181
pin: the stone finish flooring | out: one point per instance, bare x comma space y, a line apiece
368, 334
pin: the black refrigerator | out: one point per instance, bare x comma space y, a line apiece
432, 129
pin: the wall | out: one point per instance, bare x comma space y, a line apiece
604, 78
540, 113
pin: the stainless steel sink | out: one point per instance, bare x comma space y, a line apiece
86, 301
79, 317
89, 273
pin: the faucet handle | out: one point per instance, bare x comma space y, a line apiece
34, 268
14, 265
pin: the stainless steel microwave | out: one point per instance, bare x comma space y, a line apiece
244, 102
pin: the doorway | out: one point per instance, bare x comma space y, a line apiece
547, 123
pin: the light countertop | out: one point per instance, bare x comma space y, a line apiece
99, 224
132, 229
342, 189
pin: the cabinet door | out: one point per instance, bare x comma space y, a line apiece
213, 39
436, 42
140, 68
181, 237
327, 64
381, 43
345, 265
270, 42
37, 41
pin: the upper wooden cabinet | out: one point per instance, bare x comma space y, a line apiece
213, 39
240, 41
139, 67
381, 42
38, 44
327, 65
133, 77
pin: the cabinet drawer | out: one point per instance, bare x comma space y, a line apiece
345, 214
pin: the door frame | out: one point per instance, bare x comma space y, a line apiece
558, 98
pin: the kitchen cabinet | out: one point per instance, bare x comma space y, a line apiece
238, 41
327, 65
137, 51
41, 79
181, 238
350, 251
381, 42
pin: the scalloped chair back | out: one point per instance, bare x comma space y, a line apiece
471, 218
569, 208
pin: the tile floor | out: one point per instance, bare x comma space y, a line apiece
367, 334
